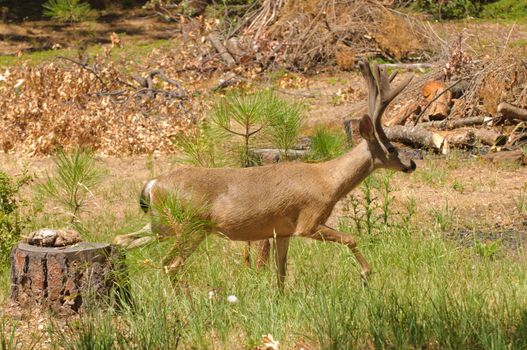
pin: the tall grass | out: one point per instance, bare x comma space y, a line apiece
425, 293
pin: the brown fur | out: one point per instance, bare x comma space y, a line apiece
287, 199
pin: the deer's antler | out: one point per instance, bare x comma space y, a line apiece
380, 92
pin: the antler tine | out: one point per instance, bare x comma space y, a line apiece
380, 92
386, 92
373, 91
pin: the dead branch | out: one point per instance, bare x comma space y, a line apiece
457, 123
148, 85
214, 38
84, 65
508, 111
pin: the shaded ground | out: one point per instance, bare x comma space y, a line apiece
29, 36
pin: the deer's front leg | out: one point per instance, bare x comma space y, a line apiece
184, 245
325, 233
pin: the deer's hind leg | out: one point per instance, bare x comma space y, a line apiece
262, 248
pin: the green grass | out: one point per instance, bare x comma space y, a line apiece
131, 51
426, 291
509, 10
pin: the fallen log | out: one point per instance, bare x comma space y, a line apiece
457, 123
437, 96
214, 38
460, 138
416, 136
516, 156
412, 108
490, 137
508, 111
440, 107
274, 155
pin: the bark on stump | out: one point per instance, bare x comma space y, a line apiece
65, 278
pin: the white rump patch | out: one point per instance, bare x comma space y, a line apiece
149, 186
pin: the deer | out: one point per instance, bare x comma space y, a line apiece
282, 200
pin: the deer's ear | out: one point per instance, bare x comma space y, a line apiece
366, 128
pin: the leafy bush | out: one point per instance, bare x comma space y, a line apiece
74, 176
201, 148
248, 116
244, 116
10, 222
68, 10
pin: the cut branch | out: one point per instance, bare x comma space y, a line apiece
407, 65
508, 111
415, 136
457, 123
214, 39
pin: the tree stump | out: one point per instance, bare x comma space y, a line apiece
65, 278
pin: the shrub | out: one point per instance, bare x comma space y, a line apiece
326, 145
68, 10
11, 224
285, 121
75, 175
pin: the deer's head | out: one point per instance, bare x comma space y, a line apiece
380, 94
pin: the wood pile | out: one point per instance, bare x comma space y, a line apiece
464, 103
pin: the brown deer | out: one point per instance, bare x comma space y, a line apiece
283, 200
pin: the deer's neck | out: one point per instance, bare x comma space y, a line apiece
349, 170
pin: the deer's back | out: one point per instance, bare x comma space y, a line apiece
254, 201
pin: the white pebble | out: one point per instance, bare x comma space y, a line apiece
232, 299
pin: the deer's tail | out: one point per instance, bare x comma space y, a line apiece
144, 199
